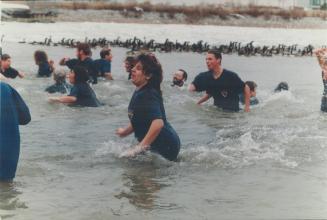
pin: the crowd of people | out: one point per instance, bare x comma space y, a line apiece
146, 111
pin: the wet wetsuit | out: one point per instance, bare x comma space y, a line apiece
59, 87
85, 95
323, 106
103, 66
9, 73
13, 112
225, 90
45, 70
88, 64
145, 106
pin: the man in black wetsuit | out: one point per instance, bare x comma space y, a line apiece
6, 70
221, 84
83, 54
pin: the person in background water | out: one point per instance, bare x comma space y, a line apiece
147, 113
104, 64
83, 54
45, 66
129, 63
322, 60
60, 83
6, 71
221, 84
14, 112
180, 76
282, 86
81, 94
253, 93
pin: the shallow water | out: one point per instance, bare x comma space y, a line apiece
268, 164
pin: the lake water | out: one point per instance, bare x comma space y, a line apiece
267, 164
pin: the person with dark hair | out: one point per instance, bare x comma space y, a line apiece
104, 64
180, 76
322, 60
6, 71
282, 86
221, 84
14, 112
81, 94
83, 54
147, 113
253, 93
45, 66
129, 63
60, 83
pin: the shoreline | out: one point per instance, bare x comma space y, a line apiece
262, 17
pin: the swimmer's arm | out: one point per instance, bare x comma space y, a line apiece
247, 95
21, 75
144, 145
109, 76
63, 61
191, 88
63, 99
123, 132
203, 99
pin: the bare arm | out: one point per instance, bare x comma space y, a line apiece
21, 75
247, 95
109, 76
204, 98
63, 99
123, 132
191, 88
144, 145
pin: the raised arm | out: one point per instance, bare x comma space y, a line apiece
247, 96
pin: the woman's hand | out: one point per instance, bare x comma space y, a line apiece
123, 132
53, 99
133, 152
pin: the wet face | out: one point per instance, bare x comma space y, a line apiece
253, 93
138, 76
212, 61
109, 57
178, 75
71, 77
5, 64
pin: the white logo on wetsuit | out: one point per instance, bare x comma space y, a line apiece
224, 93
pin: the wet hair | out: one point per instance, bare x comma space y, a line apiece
81, 74
184, 74
252, 85
281, 86
216, 53
5, 57
85, 48
151, 68
105, 52
131, 61
40, 57
59, 76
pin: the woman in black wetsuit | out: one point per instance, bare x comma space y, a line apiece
45, 66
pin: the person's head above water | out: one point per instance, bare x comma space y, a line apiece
129, 63
106, 54
282, 86
78, 75
213, 59
147, 71
180, 76
83, 50
253, 87
5, 61
59, 76
40, 57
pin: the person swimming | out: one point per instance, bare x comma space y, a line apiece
282, 86
147, 113
253, 93
45, 66
179, 78
6, 71
129, 63
104, 64
83, 54
60, 85
81, 94
14, 112
322, 60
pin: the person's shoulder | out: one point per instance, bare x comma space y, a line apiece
204, 74
229, 72
5, 85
